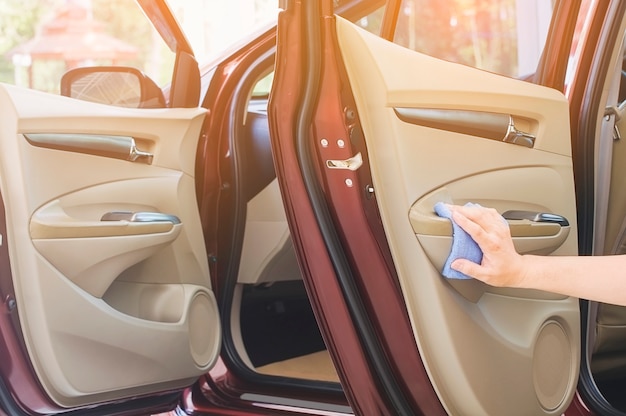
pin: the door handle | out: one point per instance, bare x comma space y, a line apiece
521, 223
543, 217
494, 126
140, 217
52, 222
117, 147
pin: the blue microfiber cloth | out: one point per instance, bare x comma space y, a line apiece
463, 246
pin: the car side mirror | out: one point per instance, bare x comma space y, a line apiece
114, 85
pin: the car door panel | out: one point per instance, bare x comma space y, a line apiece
467, 331
110, 306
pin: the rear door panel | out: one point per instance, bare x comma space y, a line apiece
487, 350
108, 309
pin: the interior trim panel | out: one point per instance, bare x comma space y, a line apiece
108, 309
465, 332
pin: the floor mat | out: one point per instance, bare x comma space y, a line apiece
317, 366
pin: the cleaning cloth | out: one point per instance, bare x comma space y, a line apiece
463, 246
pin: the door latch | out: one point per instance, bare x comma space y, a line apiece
614, 111
352, 163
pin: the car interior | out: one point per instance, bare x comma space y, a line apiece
272, 327
153, 277
112, 232
277, 333
274, 330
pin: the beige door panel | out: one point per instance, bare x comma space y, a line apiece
470, 337
111, 305
94, 263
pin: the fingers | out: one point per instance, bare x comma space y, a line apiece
466, 267
474, 228
480, 215
480, 222
501, 265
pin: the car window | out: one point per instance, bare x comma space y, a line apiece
501, 36
43, 39
263, 86
214, 26
373, 21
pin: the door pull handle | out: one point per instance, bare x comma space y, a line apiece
140, 217
533, 216
139, 155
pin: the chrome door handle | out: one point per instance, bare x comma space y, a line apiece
140, 217
515, 136
135, 154
536, 217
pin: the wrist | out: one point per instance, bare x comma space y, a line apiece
525, 275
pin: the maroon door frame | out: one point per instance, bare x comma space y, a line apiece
302, 78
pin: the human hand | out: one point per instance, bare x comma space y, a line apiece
501, 264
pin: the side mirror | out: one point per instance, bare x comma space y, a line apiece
114, 85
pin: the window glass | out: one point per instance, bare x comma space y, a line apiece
501, 36
263, 86
373, 21
213, 26
42, 39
